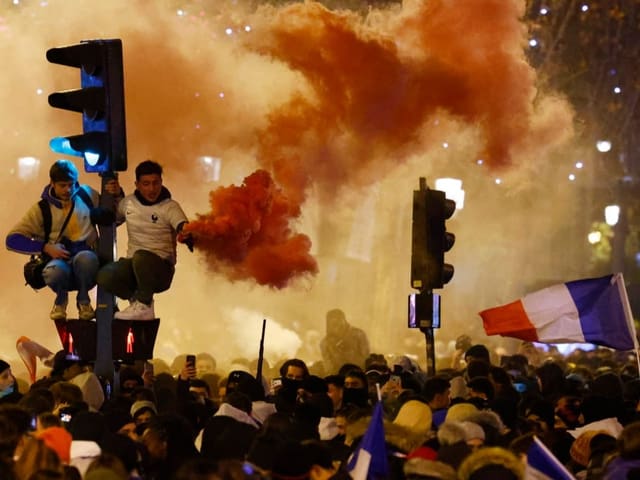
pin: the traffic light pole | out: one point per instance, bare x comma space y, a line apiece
104, 367
430, 346
429, 242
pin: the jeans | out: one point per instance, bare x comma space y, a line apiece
138, 277
79, 274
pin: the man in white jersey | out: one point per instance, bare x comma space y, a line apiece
154, 224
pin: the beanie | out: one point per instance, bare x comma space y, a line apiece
140, 404
415, 416
460, 412
57, 439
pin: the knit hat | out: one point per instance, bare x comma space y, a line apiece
491, 463
3, 366
415, 416
61, 361
580, 450
59, 440
140, 404
460, 412
473, 431
451, 432
423, 452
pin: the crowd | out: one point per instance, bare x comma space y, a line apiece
475, 419
478, 418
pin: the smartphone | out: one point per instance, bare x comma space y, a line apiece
148, 367
276, 382
65, 417
191, 360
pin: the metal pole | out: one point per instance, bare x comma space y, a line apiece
104, 367
430, 350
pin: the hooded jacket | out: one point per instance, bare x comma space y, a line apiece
27, 236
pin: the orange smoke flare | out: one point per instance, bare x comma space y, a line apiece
247, 235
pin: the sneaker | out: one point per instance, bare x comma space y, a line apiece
86, 311
136, 311
58, 312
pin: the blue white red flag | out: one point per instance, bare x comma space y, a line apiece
369, 461
543, 465
594, 310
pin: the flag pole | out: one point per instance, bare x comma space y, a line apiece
628, 315
261, 352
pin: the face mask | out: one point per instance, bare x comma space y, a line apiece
7, 391
356, 396
290, 388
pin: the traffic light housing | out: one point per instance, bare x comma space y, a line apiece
103, 143
430, 239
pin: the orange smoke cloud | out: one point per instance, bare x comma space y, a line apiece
247, 233
372, 92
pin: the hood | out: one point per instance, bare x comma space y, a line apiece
47, 194
227, 410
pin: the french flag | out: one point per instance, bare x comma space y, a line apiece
543, 465
594, 310
369, 461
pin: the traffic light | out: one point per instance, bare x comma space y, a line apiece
430, 239
103, 143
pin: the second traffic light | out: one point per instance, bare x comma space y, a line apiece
430, 239
103, 143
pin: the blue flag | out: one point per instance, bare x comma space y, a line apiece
369, 461
543, 465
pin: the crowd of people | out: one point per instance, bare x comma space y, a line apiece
475, 419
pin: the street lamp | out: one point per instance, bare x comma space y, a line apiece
594, 237
603, 146
612, 214
452, 187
